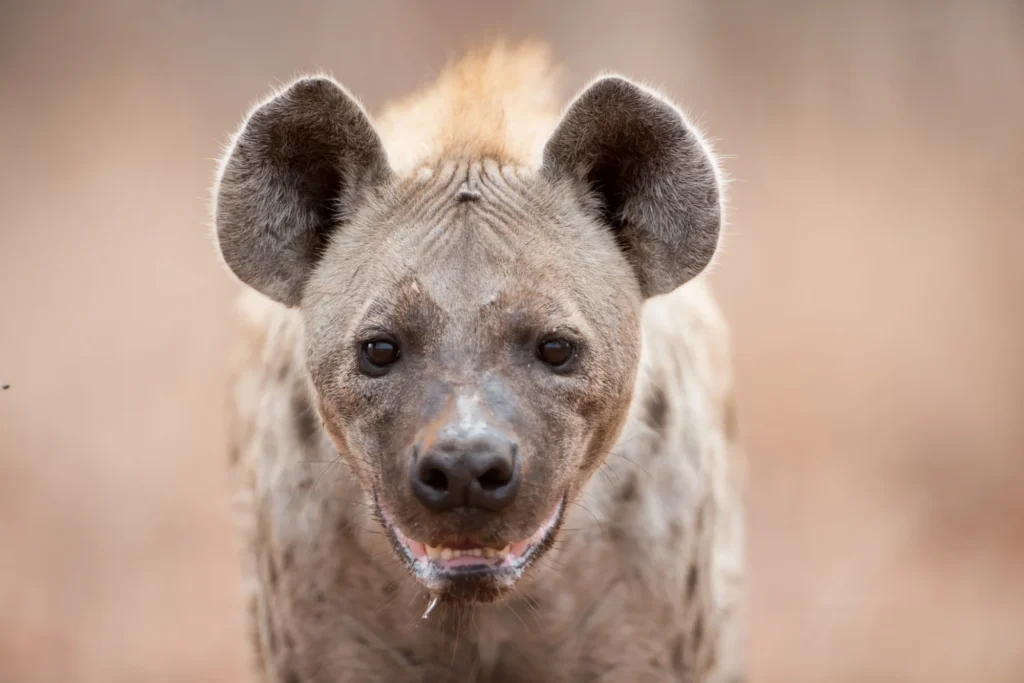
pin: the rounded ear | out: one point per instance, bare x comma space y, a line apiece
654, 179
301, 162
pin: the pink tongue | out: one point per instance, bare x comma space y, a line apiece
468, 560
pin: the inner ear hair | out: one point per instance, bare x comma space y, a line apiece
303, 159
654, 178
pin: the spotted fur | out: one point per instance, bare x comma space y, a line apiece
644, 580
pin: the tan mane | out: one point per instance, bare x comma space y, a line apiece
499, 103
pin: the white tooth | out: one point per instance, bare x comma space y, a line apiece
476, 552
433, 552
446, 554
504, 551
489, 552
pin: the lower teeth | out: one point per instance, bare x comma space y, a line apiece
446, 554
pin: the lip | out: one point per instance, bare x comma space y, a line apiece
438, 570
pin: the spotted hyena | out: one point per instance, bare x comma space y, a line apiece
484, 383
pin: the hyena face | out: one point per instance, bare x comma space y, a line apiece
472, 328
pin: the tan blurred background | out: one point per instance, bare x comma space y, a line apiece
872, 275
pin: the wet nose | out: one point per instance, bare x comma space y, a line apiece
483, 472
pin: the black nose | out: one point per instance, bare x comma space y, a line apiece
481, 472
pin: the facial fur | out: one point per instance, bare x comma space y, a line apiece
464, 267
469, 289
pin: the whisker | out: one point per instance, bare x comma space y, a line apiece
587, 510
509, 605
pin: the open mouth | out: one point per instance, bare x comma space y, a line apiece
440, 567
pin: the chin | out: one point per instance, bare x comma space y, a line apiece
467, 573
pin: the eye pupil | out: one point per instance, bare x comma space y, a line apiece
556, 352
380, 353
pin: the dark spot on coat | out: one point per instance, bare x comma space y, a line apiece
390, 589
691, 582
630, 490
289, 676
307, 424
271, 572
698, 631
710, 661
272, 639
287, 559
283, 370
344, 528
731, 422
679, 654
257, 651
253, 609
467, 195
289, 641
656, 407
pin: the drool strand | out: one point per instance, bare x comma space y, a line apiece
430, 606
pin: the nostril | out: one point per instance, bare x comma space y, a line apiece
435, 479
497, 483
471, 474
495, 478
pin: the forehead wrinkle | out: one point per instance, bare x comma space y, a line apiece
428, 223
465, 255
464, 249
397, 224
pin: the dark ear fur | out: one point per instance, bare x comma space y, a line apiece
300, 162
656, 183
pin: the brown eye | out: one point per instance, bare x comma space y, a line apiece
378, 355
556, 352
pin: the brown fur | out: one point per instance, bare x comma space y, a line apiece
469, 223
499, 104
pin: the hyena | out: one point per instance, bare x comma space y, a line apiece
483, 423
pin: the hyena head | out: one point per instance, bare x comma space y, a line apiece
472, 326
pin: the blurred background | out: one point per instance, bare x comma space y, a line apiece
872, 275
